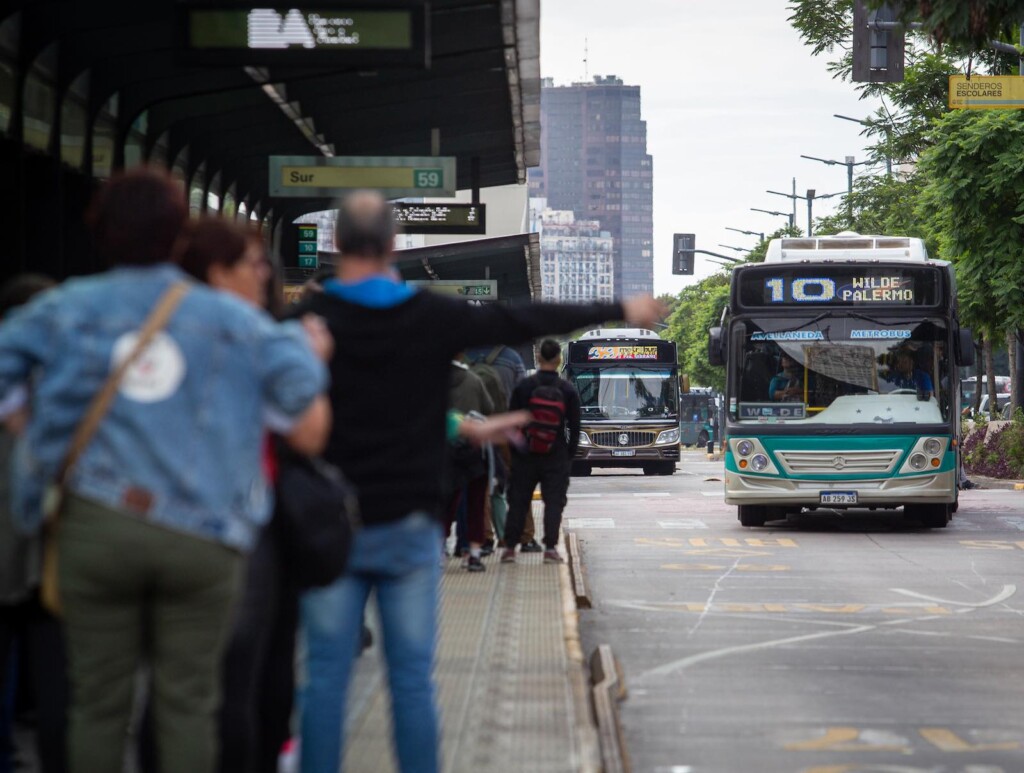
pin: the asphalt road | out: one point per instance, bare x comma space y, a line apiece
830, 643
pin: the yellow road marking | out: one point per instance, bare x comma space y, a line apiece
948, 741
843, 739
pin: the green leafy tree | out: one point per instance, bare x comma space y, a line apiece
879, 205
757, 255
967, 23
972, 202
699, 308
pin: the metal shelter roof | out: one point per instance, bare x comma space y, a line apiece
478, 100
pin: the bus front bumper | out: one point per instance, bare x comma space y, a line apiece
938, 488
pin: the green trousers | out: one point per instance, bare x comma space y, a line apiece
134, 592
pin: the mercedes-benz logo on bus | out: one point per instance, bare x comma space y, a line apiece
839, 462
623, 439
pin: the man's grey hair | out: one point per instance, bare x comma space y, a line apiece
366, 225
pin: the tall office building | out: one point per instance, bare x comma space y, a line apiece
575, 256
594, 162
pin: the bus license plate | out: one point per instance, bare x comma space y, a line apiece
624, 452
838, 497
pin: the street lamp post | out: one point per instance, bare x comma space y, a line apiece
730, 247
810, 197
888, 139
758, 234
787, 215
849, 163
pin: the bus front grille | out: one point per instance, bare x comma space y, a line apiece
881, 461
613, 439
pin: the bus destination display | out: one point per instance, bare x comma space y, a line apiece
840, 286
441, 218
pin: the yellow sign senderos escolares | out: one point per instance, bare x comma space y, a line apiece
986, 92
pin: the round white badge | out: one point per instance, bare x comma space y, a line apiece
156, 373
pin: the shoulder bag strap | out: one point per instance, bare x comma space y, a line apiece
100, 404
493, 355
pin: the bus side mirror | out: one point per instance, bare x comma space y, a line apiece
716, 348
684, 383
965, 344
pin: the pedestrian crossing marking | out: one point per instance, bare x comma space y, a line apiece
590, 523
685, 523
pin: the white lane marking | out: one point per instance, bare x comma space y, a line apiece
1017, 523
693, 660
585, 496
1003, 595
685, 523
651, 494
711, 597
712, 493
943, 635
590, 523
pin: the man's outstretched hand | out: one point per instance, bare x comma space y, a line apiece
644, 311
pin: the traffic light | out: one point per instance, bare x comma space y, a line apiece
683, 246
878, 42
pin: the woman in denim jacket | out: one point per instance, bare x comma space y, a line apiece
169, 493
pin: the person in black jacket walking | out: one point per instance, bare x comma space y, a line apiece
547, 457
389, 389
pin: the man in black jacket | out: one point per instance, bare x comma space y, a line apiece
389, 391
547, 458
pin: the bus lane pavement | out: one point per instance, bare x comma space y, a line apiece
830, 643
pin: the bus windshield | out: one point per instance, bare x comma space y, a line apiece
626, 392
841, 368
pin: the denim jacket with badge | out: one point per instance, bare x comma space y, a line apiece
181, 443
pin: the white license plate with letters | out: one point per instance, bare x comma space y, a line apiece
624, 452
838, 497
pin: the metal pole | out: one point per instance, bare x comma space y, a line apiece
792, 220
849, 188
810, 206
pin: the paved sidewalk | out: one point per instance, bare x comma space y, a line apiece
511, 682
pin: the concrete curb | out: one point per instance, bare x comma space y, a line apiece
609, 688
997, 483
587, 733
579, 583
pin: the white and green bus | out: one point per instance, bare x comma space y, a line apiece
842, 389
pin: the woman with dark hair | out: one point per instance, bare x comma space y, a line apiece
259, 679
169, 491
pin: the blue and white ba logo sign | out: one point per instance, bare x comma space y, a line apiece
267, 29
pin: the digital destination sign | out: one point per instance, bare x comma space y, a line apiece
622, 353
840, 286
441, 218
220, 33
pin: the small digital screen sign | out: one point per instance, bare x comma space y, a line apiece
323, 33
839, 285
441, 218
607, 352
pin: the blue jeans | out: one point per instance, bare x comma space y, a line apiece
401, 561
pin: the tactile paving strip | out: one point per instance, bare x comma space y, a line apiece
502, 674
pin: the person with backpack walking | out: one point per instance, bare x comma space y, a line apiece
391, 445
551, 439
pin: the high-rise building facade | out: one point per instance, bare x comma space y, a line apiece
575, 256
594, 162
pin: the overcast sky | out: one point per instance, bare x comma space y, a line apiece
731, 97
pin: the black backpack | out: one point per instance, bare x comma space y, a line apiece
547, 406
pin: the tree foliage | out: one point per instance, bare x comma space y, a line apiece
699, 308
879, 205
972, 201
968, 23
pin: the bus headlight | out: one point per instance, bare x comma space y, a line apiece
759, 463
933, 446
584, 439
667, 437
744, 448
918, 461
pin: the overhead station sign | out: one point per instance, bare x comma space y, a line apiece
394, 176
986, 92
441, 218
322, 33
470, 289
